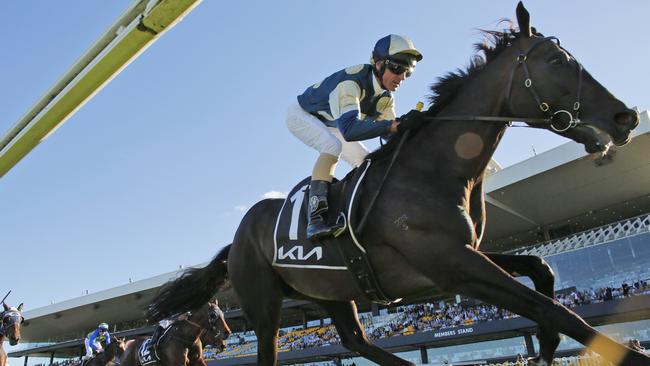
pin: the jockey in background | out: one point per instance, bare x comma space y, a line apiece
349, 106
93, 340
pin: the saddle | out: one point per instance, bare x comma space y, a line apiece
293, 249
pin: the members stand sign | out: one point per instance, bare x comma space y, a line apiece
453, 332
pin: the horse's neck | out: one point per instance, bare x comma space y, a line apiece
190, 332
468, 146
109, 355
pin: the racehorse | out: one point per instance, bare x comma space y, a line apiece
11, 319
423, 232
183, 343
209, 338
108, 356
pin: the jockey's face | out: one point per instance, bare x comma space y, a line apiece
391, 80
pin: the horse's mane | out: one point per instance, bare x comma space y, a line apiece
447, 87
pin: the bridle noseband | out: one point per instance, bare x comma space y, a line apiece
16, 317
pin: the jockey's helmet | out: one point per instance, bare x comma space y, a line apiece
103, 326
396, 48
396, 53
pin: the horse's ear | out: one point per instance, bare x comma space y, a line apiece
4, 304
523, 19
20, 307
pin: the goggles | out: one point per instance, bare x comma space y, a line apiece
398, 69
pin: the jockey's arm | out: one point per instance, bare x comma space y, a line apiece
355, 129
346, 108
107, 335
92, 340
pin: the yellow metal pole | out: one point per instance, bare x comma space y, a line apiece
52, 111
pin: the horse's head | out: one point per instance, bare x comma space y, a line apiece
12, 319
117, 347
217, 328
547, 81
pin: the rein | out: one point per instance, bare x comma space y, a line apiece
185, 341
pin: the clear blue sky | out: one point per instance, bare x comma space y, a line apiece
156, 170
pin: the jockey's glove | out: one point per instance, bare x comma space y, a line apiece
412, 120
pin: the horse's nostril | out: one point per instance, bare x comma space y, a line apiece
627, 118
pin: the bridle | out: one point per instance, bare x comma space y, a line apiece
15, 316
543, 106
558, 120
213, 320
213, 317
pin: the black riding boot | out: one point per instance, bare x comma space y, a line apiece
317, 226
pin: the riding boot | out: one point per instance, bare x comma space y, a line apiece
317, 225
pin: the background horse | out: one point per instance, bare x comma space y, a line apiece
10, 321
108, 357
423, 234
212, 338
182, 344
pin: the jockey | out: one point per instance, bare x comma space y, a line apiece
93, 340
349, 106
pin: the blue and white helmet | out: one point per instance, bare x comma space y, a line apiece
103, 326
397, 48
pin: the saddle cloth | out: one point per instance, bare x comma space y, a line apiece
292, 247
146, 353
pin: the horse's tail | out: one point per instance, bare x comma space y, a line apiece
194, 288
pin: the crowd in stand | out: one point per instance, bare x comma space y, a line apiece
68, 362
424, 317
427, 317
576, 298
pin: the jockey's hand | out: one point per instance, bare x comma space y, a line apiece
394, 126
411, 120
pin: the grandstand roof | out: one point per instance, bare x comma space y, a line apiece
555, 193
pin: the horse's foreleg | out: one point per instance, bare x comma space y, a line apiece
457, 268
542, 276
353, 337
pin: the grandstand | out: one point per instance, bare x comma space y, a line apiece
590, 219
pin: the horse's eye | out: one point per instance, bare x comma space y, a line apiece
557, 60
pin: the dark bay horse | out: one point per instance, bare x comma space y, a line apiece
110, 355
214, 337
209, 338
183, 342
10, 321
435, 193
